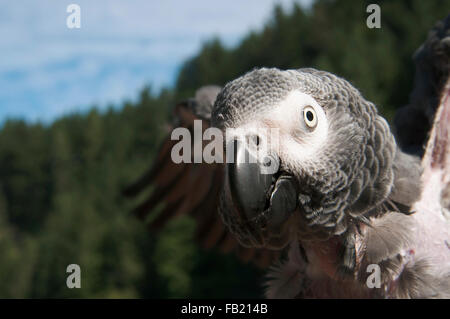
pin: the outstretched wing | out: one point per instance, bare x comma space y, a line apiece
427, 116
190, 189
427, 240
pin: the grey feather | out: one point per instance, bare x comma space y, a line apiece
387, 236
202, 104
286, 279
407, 183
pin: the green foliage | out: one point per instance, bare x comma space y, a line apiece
175, 255
60, 200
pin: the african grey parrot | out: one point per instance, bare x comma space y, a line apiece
344, 195
344, 199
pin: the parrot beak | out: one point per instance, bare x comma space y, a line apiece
263, 196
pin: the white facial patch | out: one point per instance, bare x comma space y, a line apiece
297, 139
287, 130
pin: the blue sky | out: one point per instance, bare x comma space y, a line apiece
47, 69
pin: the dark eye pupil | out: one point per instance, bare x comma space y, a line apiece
309, 115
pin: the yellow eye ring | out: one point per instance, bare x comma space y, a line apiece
310, 116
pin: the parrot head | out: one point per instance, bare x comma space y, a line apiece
305, 155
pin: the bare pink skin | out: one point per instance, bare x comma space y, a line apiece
432, 236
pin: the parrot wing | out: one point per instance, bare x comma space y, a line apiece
416, 248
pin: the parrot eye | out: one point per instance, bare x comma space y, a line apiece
310, 117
